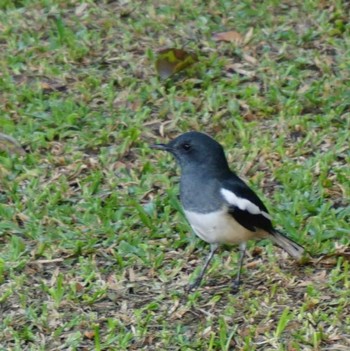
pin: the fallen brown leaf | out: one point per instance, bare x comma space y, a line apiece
11, 145
230, 36
250, 59
170, 61
248, 36
238, 68
89, 334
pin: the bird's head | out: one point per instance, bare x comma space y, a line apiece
195, 149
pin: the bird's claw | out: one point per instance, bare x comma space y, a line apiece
193, 286
235, 286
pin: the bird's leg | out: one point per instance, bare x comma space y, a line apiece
236, 282
195, 284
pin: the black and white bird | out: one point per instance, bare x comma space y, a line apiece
219, 206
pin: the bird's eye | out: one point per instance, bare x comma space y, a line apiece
186, 146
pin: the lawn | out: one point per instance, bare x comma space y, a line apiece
95, 253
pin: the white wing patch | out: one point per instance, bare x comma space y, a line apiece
242, 204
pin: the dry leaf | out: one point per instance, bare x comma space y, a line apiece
231, 36
132, 276
10, 144
89, 334
249, 35
112, 283
51, 86
250, 59
21, 219
303, 89
80, 9
174, 307
171, 61
79, 287
237, 67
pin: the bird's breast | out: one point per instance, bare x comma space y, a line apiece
200, 194
219, 227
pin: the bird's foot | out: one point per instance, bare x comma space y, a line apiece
235, 286
193, 286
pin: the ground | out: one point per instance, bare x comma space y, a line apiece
95, 253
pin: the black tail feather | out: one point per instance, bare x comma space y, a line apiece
290, 246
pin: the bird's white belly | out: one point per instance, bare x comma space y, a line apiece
219, 227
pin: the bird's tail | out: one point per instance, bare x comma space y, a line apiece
290, 246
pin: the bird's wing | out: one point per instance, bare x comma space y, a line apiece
245, 206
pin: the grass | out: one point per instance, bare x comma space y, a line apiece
94, 250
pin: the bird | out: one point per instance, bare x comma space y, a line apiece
219, 206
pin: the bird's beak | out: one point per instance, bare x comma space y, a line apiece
164, 147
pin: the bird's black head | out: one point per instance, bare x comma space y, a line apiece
196, 150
